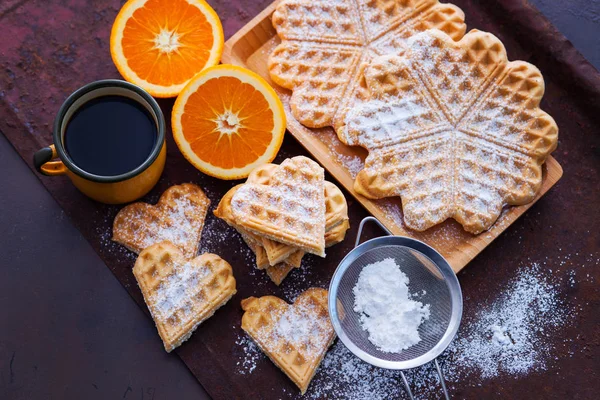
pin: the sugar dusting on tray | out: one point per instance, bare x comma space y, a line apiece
386, 308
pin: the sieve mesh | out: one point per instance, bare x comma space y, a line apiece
424, 277
429, 275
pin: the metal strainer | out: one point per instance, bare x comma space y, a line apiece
429, 274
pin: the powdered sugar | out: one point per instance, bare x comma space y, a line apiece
178, 217
302, 330
507, 336
290, 209
250, 354
353, 164
179, 228
175, 292
343, 375
215, 233
386, 309
299, 326
301, 278
448, 133
331, 40
500, 336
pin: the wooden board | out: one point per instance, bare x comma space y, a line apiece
250, 47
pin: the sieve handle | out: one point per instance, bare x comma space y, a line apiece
407, 386
362, 225
442, 382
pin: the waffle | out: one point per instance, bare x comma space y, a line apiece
295, 337
283, 258
253, 241
277, 252
262, 175
336, 208
181, 293
453, 128
223, 211
177, 217
295, 259
262, 261
336, 211
336, 225
326, 42
290, 209
336, 234
277, 273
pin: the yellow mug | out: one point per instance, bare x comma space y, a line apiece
54, 160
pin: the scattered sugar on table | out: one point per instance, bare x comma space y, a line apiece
507, 336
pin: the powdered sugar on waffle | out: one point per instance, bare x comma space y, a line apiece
455, 129
183, 220
324, 44
302, 326
178, 217
176, 290
291, 205
299, 326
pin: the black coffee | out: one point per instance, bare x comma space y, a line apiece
110, 135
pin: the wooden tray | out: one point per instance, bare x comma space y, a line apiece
250, 47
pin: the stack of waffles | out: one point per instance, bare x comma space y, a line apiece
451, 126
180, 289
285, 211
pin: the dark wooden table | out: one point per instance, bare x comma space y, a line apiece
69, 330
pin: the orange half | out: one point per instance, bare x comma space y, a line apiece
161, 44
227, 121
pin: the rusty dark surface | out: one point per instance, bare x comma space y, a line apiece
53, 47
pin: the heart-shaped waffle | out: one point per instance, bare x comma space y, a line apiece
336, 212
290, 209
453, 128
295, 337
177, 217
277, 273
181, 293
267, 250
276, 252
253, 241
324, 44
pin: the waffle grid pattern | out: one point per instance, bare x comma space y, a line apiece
324, 43
296, 354
178, 217
336, 225
290, 210
181, 294
453, 128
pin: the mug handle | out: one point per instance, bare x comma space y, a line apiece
42, 160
